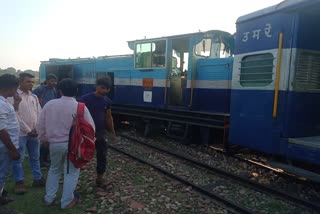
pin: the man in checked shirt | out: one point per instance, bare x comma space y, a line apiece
9, 132
27, 113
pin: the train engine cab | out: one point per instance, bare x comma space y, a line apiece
176, 72
183, 81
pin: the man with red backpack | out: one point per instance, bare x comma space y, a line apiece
56, 119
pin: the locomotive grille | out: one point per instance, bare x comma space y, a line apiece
307, 72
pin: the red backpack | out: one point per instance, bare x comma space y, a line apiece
81, 140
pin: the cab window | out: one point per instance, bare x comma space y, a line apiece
203, 48
150, 54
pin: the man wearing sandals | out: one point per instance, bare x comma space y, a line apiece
99, 106
9, 130
53, 127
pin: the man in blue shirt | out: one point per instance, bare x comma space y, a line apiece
99, 106
45, 93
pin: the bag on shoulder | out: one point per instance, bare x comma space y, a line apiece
81, 146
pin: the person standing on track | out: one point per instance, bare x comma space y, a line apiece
99, 106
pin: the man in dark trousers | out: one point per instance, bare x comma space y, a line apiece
99, 106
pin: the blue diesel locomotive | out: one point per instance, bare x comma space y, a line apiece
259, 88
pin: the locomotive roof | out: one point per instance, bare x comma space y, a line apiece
182, 36
226, 37
79, 59
286, 5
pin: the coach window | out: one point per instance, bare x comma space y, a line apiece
256, 70
150, 54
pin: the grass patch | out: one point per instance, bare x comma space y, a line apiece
31, 202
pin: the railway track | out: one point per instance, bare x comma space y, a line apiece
259, 163
227, 204
248, 167
217, 172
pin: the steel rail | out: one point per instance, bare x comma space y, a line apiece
222, 201
228, 175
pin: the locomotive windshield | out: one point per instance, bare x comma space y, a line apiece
150, 54
213, 48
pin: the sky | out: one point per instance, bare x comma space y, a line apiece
36, 30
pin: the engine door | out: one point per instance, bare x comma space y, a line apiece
177, 72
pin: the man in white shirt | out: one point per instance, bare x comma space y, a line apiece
53, 127
28, 112
9, 131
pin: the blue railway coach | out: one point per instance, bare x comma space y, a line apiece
275, 98
259, 88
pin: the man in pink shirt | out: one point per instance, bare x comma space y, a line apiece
27, 113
